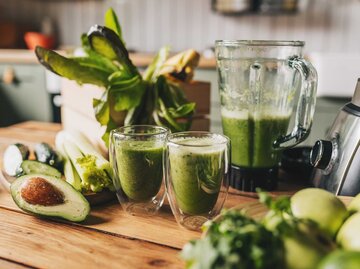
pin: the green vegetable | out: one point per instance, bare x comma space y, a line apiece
34, 167
111, 22
129, 98
88, 149
302, 237
279, 240
153, 70
235, 242
70, 173
341, 259
70, 68
49, 197
90, 171
14, 155
108, 44
46, 154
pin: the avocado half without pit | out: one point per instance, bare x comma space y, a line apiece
49, 196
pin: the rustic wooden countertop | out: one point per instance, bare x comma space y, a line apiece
107, 239
22, 56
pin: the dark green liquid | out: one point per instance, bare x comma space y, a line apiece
196, 178
252, 140
140, 169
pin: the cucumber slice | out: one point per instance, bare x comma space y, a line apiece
14, 155
35, 167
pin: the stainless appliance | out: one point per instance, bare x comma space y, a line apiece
337, 158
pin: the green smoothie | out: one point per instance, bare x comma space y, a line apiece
140, 168
196, 175
252, 138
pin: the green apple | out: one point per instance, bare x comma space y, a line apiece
320, 206
341, 260
354, 205
349, 234
305, 247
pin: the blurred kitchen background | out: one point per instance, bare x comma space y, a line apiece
329, 27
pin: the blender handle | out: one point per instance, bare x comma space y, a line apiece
305, 107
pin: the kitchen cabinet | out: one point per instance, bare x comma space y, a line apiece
25, 97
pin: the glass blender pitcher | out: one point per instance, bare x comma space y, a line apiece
259, 83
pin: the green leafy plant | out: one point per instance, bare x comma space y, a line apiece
278, 240
235, 242
156, 97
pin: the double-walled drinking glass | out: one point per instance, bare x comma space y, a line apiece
259, 83
197, 166
136, 155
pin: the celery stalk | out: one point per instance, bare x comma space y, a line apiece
93, 169
87, 148
71, 175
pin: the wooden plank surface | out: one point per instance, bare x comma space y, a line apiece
111, 218
108, 238
8, 264
46, 244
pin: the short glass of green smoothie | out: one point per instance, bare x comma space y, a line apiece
136, 155
197, 167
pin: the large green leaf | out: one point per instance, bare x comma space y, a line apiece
107, 43
102, 109
110, 126
143, 113
152, 72
182, 111
97, 62
118, 79
127, 95
70, 68
112, 22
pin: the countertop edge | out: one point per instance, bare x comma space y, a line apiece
21, 56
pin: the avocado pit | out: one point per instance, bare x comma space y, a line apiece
38, 191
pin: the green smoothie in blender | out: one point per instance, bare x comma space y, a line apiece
252, 137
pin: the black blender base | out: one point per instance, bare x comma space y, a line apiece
248, 179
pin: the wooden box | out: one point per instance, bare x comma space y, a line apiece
77, 112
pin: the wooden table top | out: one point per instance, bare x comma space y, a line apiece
109, 238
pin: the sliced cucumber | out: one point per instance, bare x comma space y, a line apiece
14, 155
35, 167
46, 154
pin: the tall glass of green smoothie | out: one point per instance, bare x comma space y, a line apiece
259, 84
197, 168
136, 155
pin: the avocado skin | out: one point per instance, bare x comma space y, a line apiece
75, 208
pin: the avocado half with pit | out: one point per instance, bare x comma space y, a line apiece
49, 196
